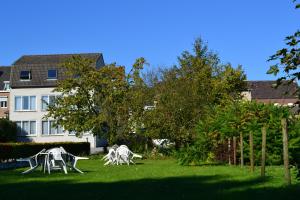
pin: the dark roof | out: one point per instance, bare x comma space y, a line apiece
4, 75
39, 66
266, 90
53, 58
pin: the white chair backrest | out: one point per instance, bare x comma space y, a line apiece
56, 153
123, 150
63, 150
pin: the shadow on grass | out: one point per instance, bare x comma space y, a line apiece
196, 187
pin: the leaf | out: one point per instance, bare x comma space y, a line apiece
273, 70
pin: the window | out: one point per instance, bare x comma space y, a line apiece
26, 128
3, 102
18, 103
48, 128
52, 74
47, 100
25, 75
45, 128
25, 103
6, 86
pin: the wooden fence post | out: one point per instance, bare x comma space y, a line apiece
242, 149
263, 151
229, 151
287, 175
234, 150
251, 152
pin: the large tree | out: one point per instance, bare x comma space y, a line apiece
185, 93
92, 100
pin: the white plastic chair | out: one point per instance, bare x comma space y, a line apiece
32, 160
74, 159
124, 155
110, 158
53, 158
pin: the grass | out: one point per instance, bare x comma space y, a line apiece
148, 179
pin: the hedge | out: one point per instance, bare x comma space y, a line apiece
22, 149
8, 131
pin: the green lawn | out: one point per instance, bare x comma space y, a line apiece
149, 179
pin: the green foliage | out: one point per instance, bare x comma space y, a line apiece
288, 59
197, 153
231, 119
8, 131
23, 150
102, 101
184, 94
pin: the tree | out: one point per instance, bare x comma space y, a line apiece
289, 59
185, 94
92, 100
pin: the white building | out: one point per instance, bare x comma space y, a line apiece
33, 79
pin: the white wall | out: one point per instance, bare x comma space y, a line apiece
38, 117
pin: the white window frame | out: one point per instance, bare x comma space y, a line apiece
25, 110
29, 76
29, 122
6, 86
3, 101
49, 127
48, 101
49, 78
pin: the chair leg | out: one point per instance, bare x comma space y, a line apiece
64, 166
48, 167
29, 170
74, 166
65, 169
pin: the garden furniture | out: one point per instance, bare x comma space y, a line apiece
124, 155
119, 155
110, 157
54, 160
32, 160
73, 159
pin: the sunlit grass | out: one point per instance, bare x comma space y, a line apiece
148, 179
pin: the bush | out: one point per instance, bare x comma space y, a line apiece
22, 150
8, 131
197, 153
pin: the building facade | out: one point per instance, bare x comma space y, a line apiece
33, 79
4, 91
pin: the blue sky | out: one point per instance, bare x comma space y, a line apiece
242, 32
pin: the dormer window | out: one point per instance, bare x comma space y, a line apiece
52, 74
25, 75
6, 86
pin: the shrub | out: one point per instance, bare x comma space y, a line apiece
21, 150
8, 131
196, 153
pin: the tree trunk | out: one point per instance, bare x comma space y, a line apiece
251, 152
287, 175
263, 151
234, 150
229, 152
242, 149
